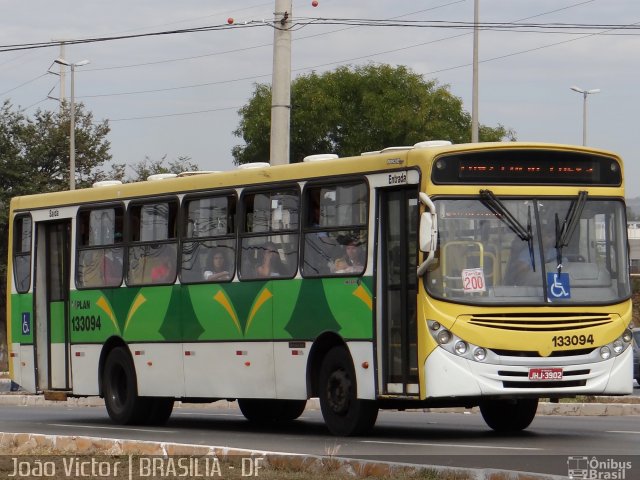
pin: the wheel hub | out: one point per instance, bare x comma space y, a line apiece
339, 392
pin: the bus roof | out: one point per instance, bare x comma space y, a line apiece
387, 159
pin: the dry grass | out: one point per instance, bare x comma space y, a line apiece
232, 467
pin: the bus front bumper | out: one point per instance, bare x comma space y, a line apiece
448, 375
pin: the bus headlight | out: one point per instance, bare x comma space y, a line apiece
480, 354
444, 336
461, 347
618, 347
456, 345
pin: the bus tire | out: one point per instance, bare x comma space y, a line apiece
343, 413
160, 409
119, 384
509, 415
265, 411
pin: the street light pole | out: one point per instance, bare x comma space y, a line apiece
72, 121
585, 94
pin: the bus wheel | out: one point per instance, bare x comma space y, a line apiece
343, 412
270, 410
120, 390
160, 409
509, 415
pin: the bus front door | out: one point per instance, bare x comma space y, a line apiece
396, 291
52, 305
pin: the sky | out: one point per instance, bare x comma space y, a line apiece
178, 95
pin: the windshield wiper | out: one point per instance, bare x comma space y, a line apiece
565, 232
488, 198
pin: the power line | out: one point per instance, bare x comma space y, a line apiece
53, 43
174, 114
436, 24
262, 45
23, 84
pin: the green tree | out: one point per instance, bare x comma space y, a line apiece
34, 158
353, 110
147, 167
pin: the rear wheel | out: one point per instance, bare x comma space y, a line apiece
120, 388
343, 412
509, 415
160, 409
265, 411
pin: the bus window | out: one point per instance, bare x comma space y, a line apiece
269, 240
100, 250
335, 233
153, 243
22, 253
208, 249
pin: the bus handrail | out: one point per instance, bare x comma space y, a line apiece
428, 233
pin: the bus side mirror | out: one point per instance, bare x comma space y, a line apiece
428, 233
428, 236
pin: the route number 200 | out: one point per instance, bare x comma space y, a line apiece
473, 280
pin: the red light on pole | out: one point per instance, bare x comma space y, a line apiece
230, 21
314, 3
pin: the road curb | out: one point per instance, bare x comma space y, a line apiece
23, 443
607, 408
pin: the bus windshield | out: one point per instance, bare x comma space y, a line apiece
503, 251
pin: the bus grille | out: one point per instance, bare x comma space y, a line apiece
536, 322
566, 382
559, 384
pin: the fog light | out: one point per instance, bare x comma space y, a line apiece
480, 354
605, 353
618, 347
461, 347
444, 336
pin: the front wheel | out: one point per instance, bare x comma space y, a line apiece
343, 413
271, 411
120, 388
509, 415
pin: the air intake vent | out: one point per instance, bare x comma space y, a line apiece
161, 176
106, 183
534, 322
246, 166
320, 157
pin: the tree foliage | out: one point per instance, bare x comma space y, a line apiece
34, 153
147, 167
353, 110
34, 158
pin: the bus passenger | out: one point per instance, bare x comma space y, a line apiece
269, 263
164, 270
218, 265
351, 261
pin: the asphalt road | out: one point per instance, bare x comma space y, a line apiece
452, 439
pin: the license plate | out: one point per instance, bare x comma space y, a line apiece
545, 374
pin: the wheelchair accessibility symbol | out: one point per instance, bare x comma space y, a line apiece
558, 285
26, 323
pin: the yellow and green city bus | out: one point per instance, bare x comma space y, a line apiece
436, 275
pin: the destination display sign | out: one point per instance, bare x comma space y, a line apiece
533, 167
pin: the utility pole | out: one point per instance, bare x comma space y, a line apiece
63, 75
63, 72
474, 101
281, 84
